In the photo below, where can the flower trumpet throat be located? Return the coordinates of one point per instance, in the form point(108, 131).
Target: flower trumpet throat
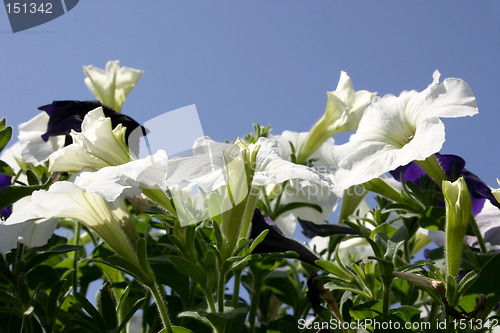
point(458, 212)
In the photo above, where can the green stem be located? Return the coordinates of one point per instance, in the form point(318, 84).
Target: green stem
point(451, 290)
point(75, 255)
point(251, 204)
point(254, 304)
point(386, 302)
point(157, 293)
point(220, 291)
point(236, 292)
point(210, 300)
point(406, 250)
point(477, 232)
point(258, 278)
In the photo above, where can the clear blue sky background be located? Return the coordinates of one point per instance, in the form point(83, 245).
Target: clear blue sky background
point(261, 61)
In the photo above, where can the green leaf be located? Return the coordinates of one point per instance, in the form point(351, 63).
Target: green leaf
point(366, 310)
point(11, 194)
point(32, 178)
point(218, 235)
point(231, 320)
point(174, 239)
point(241, 245)
point(57, 289)
point(142, 254)
point(385, 228)
point(8, 298)
point(41, 257)
point(258, 240)
point(210, 260)
point(6, 169)
point(466, 282)
point(485, 284)
point(197, 317)
point(433, 218)
point(5, 135)
point(107, 307)
point(294, 205)
point(407, 313)
point(43, 276)
point(22, 290)
point(190, 269)
point(365, 232)
point(5, 270)
point(167, 274)
point(91, 310)
point(178, 329)
point(131, 313)
point(125, 266)
point(335, 270)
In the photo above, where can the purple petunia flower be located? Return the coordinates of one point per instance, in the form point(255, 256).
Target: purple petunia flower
point(276, 242)
point(68, 115)
point(453, 167)
point(5, 181)
point(311, 230)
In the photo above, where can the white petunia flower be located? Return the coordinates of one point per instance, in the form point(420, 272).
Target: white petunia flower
point(214, 165)
point(98, 145)
point(128, 179)
point(344, 109)
point(289, 144)
point(34, 223)
point(31, 148)
point(112, 85)
point(397, 130)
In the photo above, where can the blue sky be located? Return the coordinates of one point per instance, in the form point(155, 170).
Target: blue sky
point(270, 62)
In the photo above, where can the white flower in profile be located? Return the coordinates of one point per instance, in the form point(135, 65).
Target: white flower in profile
point(98, 145)
point(34, 223)
point(111, 85)
point(31, 148)
point(397, 130)
point(215, 165)
point(344, 109)
point(289, 144)
point(127, 180)
point(271, 168)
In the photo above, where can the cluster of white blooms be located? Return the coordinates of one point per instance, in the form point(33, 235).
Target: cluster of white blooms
point(303, 169)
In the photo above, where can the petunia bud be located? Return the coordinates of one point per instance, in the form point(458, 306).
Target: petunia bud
point(458, 212)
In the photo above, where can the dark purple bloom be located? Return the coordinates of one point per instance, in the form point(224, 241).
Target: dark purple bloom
point(68, 115)
point(310, 229)
point(313, 291)
point(276, 242)
point(5, 181)
point(453, 167)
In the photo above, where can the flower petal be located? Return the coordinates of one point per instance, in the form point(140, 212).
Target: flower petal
point(112, 85)
point(33, 148)
point(397, 130)
point(128, 179)
point(68, 115)
point(98, 145)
